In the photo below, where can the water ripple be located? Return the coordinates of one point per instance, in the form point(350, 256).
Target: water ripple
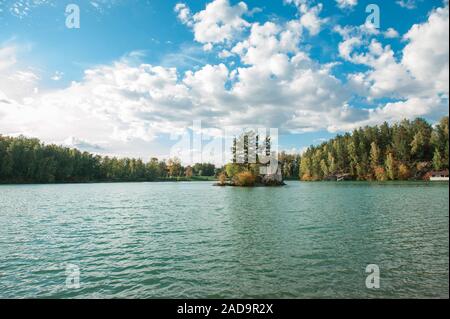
point(177, 240)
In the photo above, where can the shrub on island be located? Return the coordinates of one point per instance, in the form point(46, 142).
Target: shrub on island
point(245, 178)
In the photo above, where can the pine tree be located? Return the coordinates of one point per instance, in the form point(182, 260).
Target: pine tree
point(374, 155)
point(437, 160)
point(390, 166)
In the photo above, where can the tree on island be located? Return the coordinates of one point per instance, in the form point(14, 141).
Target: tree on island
point(249, 159)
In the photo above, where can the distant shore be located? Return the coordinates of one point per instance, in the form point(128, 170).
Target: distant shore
point(217, 184)
point(173, 180)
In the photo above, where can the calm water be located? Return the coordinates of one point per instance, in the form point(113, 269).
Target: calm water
point(148, 240)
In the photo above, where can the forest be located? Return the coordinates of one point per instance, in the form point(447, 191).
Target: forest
point(27, 160)
point(405, 150)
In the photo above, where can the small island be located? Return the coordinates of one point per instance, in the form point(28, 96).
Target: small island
point(250, 177)
point(254, 164)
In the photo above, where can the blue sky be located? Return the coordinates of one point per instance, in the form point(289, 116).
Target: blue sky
point(330, 73)
point(120, 27)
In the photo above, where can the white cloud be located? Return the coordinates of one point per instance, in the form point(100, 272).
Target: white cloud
point(310, 18)
point(387, 78)
point(411, 108)
point(4, 100)
point(24, 76)
point(121, 102)
point(392, 112)
point(346, 4)
point(424, 57)
point(23, 8)
point(420, 77)
point(407, 4)
point(15, 81)
point(225, 54)
point(57, 76)
point(184, 14)
point(208, 47)
point(83, 145)
point(294, 150)
point(7, 57)
point(427, 54)
point(123, 106)
point(391, 33)
point(219, 22)
point(346, 47)
point(309, 15)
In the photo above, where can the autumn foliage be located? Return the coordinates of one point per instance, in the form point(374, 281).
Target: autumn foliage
point(245, 178)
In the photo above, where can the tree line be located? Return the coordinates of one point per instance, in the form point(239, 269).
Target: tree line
point(27, 160)
point(405, 150)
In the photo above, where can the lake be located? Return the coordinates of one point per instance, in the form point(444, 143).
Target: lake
point(190, 239)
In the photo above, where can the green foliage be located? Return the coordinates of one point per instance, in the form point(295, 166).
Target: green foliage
point(390, 166)
point(233, 169)
point(379, 152)
point(437, 160)
point(290, 165)
point(374, 154)
point(25, 160)
point(204, 169)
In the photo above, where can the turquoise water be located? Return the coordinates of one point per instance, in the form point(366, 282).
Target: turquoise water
point(152, 240)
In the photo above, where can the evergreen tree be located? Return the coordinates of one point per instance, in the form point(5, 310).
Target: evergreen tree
point(390, 166)
point(437, 160)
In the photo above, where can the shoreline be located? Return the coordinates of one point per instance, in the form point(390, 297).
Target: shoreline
point(217, 184)
point(109, 182)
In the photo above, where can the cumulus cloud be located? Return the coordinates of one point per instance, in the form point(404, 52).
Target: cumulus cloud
point(346, 4)
point(310, 18)
point(427, 54)
point(16, 81)
point(309, 15)
point(274, 83)
point(391, 33)
point(420, 77)
point(424, 57)
point(57, 76)
point(407, 4)
point(122, 102)
point(219, 22)
point(184, 14)
point(82, 145)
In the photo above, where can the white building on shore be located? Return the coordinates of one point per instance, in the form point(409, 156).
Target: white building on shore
point(439, 176)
